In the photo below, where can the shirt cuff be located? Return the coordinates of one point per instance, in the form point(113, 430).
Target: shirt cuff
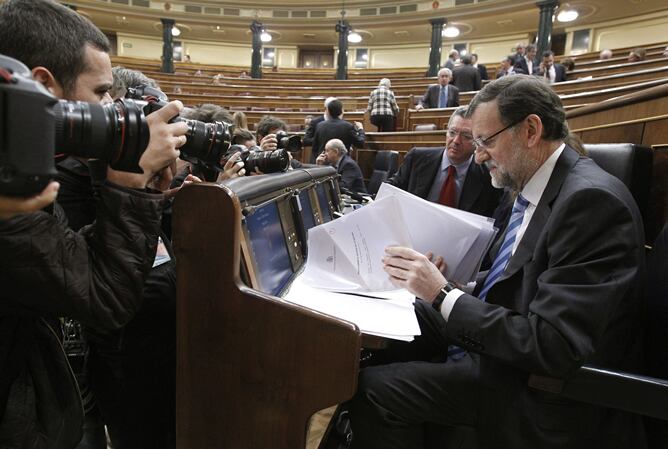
point(449, 302)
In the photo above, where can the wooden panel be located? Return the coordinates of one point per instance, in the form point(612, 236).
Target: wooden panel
point(656, 132)
point(251, 369)
point(622, 133)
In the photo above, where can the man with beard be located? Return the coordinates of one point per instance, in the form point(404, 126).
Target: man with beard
point(448, 175)
point(564, 290)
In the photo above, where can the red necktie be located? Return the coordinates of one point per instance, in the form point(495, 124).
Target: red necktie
point(448, 196)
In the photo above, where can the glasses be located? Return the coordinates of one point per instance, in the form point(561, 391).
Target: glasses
point(466, 136)
point(483, 143)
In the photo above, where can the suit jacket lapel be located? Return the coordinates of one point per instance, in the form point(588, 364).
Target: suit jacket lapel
point(430, 165)
point(527, 245)
point(471, 188)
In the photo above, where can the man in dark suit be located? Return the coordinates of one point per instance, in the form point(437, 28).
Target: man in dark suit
point(527, 63)
point(336, 155)
point(424, 171)
point(554, 73)
point(309, 133)
point(441, 95)
point(506, 68)
point(481, 67)
point(466, 77)
point(564, 290)
point(334, 127)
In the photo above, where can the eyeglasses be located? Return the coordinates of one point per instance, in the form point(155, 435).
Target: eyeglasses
point(483, 143)
point(452, 133)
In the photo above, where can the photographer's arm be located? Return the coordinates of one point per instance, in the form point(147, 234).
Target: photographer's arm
point(11, 206)
point(96, 275)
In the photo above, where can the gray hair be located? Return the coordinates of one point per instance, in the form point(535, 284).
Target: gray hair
point(459, 112)
point(521, 95)
point(124, 78)
point(337, 144)
point(385, 82)
point(445, 70)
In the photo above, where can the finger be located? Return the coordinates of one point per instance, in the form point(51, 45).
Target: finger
point(177, 128)
point(242, 172)
point(396, 272)
point(168, 111)
point(397, 262)
point(402, 251)
point(180, 141)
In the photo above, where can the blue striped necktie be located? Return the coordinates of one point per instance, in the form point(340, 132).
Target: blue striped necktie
point(443, 97)
point(500, 262)
point(506, 250)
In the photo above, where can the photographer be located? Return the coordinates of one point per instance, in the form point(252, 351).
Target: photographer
point(95, 276)
point(265, 133)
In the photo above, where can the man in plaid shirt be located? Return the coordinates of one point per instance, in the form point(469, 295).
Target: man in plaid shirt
point(383, 107)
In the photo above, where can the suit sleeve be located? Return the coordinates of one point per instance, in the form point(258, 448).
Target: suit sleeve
point(477, 83)
point(309, 134)
point(350, 173)
point(455, 96)
point(426, 100)
point(592, 266)
point(96, 275)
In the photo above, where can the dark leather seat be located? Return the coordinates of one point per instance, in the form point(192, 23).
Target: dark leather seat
point(630, 163)
point(384, 166)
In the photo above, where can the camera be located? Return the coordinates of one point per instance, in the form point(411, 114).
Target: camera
point(35, 125)
point(285, 142)
point(271, 161)
point(206, 143)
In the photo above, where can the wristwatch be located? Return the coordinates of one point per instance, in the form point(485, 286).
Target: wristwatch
point(441, 296)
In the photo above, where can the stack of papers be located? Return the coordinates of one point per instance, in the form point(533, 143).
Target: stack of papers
point(344, 276)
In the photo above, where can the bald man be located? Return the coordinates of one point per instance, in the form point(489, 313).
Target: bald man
point(336, 155)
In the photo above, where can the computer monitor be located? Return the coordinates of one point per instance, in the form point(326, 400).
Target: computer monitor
point(273, 268)
point(323, 200)
point(306, 209)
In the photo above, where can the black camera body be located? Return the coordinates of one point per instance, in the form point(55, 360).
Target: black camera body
point(286, 142)
point(35, 125)
point(271, 161)
point(207, 143)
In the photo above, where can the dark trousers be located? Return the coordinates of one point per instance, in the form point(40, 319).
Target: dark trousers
point(385, 123)
point(396, 404)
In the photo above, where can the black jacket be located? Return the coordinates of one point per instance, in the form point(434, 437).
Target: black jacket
point(351, 175)
point(47, 270)
point(335, 128)
point(418, 171)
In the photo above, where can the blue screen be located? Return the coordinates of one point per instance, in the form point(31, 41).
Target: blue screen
point(307, 210)
point(270, 252)
point(324, 203)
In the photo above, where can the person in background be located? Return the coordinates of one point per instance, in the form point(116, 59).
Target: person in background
point(481, 67)
point(382, 107)
point(453, 56)
point(336, 155)
point(441, 95)
point(605, 54)
point(569, 63)
point(239, 120)
point(637, 55)
point(127, 77)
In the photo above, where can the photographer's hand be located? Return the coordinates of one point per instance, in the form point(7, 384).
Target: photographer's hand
point(11, 206)
point(234, 167)
point(161, 150)
point(269, 142)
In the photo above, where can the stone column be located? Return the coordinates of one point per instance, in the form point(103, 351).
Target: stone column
point(343, 28)
point(167, 46)
point(544, 39)
point(256, 61)
point(436, 46)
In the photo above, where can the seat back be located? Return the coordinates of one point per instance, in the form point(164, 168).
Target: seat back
point(630, 163)
point(384, 166)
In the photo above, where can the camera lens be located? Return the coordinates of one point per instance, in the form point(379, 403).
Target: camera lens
point(206, 142)
point(266, 161)
point(291, 143)
point(115, 132)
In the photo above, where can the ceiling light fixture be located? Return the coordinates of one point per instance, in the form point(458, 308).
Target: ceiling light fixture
point(567, 15)
point(354, 37)
point(175, 31)
point(450, 31)
point(265, 37)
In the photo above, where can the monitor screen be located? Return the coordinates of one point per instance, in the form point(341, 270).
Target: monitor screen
point(307, 210)
point(269, 249)
point(324, 203)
